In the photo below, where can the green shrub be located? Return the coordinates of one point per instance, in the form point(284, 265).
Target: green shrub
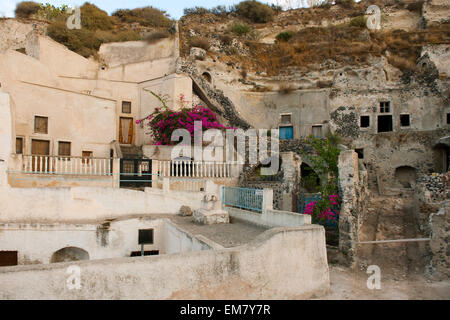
point(52, 13)
point(195, 10)
point(82, 41)
point(359, 22)
point(146, 16)
point(345, 3)
point(284, 36)
point(93, 18)
point(156, 36)
point(25, 9)
point(255, 11)
point(86, 42)
point(240, 28)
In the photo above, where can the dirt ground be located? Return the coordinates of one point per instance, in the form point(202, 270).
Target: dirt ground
point(347, 284)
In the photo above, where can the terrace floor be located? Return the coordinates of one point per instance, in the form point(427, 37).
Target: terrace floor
point(228, 235)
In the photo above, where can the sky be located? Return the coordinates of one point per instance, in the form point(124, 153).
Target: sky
point(173, 7)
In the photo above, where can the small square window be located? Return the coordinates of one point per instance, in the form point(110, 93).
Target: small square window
point(126, 107)
point(64, 149)
point(146, 236)
point(385, 107)
point(317, 131)
point(286, 119)
point(405, 120)
point(19, 145)
point(40, 124)
point(365, 121)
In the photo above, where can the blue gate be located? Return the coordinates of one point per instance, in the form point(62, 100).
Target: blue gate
point(243, 198)
point(303, 200)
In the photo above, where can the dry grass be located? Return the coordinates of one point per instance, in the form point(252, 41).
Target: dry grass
point(258, 88)
point(309, 48)
point(200, 42)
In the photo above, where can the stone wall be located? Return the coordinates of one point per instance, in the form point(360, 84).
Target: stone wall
point(439, 264)
point(432, 211)
point(354, 191)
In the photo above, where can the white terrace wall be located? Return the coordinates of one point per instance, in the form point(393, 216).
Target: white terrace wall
point(89, 203)
point(36, 243)
point(280, 264)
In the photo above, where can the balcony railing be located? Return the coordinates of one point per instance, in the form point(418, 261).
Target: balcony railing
point(67, 165)
point(194, 169)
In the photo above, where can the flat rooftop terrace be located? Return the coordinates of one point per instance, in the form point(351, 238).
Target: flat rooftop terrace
point(228, 235)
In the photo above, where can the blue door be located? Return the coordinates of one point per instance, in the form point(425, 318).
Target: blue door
point(287, 133)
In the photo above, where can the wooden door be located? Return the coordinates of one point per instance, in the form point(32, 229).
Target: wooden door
point(126, 130)
point(40, 148)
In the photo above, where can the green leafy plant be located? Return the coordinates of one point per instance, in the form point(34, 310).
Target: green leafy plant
point(324, 162)
point(359, 22)
point(146, 16)
point(240, 28)
point(284, 36)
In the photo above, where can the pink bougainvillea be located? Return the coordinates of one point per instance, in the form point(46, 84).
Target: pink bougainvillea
point(162, 122)
point(329, 213)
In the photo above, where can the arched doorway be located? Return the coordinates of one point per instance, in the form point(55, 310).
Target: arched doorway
point(69, 254)
point(310, 179)
point(207, 76)
point(406, 176)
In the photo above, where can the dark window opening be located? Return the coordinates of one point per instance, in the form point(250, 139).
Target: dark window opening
point(207, 77)
point(385, 107)
point(405, 120)
point(19, 145)
point(146, 236)
point(360, 153)
point(8, 258)
point(385, 124)
point(126, 107)
point(146, 253)
point(448, 118)
point(365, 121)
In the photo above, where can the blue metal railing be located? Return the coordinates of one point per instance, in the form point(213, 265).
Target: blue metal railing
point(243, 198)
point(303, 200)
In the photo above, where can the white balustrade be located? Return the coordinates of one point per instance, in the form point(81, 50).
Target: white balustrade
point(67, 165)
point(194, 169)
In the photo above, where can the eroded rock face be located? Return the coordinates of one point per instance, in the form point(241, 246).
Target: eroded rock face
point(198, 53)
point(185, 211)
